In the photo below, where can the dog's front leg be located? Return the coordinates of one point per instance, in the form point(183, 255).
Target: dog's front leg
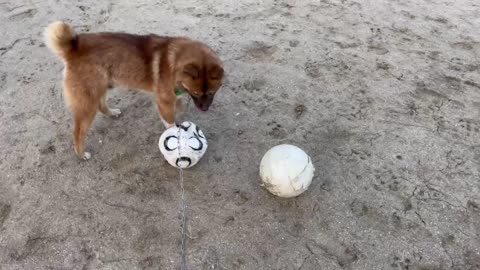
point(166, 107)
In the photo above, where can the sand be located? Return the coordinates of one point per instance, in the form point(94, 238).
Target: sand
point(383, 95)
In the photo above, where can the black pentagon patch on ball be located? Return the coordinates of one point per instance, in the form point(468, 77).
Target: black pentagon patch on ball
point(165, 143)
point(198, 133)
point(183, 159)
point(200, 143)
point(184, 127)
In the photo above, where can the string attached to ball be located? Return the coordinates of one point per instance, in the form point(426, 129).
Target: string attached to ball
point(183, 261)
point(183, 146)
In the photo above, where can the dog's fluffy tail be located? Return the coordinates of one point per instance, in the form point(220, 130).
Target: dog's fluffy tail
point(59, 37)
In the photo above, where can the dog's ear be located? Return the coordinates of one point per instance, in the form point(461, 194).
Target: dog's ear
point(215, 72)
point(191, 70)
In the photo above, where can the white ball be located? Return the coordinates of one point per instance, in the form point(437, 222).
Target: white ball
point(184, 145)
point(286, 171)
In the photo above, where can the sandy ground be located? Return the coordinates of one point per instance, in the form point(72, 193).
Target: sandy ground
point(384, 96)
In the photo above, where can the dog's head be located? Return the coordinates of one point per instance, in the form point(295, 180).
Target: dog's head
point(201, 77)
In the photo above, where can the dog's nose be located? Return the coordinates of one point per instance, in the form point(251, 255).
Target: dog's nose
point(204, 103)
point(204, 107)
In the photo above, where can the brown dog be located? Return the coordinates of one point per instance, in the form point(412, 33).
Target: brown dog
point(97, 62)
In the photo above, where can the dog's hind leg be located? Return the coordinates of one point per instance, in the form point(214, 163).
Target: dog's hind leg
point(81, 123)
point(103, 107)
point(83, 100)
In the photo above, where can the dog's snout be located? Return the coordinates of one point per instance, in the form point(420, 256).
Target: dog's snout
point(203, 102)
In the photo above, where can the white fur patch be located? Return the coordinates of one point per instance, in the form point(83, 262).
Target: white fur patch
point(171, 56)
point(166, 124)
point(87, 156)
point(156, 67)
point(115, 112)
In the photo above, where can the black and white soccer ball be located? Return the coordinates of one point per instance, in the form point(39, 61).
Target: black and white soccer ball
point(183, 145)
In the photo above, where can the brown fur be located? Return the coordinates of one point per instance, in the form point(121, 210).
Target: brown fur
point(98, 61)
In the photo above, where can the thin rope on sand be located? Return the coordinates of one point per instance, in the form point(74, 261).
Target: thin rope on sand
point(183, 261)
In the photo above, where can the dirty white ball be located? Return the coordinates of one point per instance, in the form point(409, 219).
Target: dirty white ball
point(286, 171)
point(183, 145)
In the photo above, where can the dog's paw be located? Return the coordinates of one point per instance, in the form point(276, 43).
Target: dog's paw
point(168, 125)
point(87, 156)
point(115, 112)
